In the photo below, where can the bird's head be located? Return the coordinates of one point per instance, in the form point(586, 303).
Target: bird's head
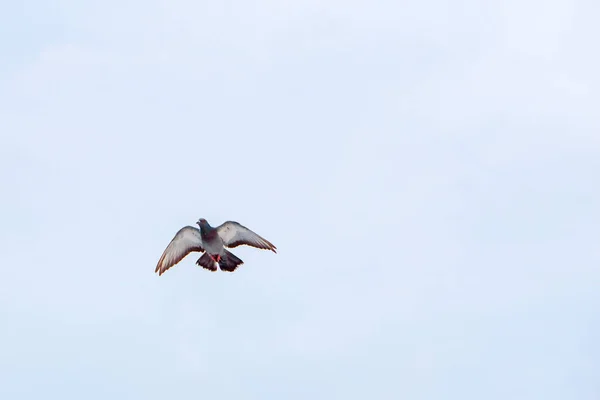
point(202, 222)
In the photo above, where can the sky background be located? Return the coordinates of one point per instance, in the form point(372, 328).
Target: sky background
point(429, 171)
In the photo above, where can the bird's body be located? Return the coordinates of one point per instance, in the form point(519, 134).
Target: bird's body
point(213, 243)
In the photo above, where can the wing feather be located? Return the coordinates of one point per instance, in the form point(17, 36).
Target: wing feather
point(186, 240)
point(234, 234)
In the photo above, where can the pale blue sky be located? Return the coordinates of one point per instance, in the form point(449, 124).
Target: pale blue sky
point(428, 171)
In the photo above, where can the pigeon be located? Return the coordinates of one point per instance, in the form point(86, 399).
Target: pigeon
point(212, 242)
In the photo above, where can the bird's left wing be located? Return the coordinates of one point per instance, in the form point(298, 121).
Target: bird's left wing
point(188, 239)
point(234, 234)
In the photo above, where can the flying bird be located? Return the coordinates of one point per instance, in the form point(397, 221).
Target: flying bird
point(212, 242)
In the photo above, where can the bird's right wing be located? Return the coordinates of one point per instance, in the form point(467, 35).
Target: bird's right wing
point(234, 234)
point(188, 239)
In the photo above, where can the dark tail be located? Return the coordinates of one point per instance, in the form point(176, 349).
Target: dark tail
point(229, 262)
point(207, 262)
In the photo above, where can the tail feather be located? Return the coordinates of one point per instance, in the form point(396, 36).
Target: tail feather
point(207, 262)
point(229, 262)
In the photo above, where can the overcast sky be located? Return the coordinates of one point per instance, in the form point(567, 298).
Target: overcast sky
point(429, 171)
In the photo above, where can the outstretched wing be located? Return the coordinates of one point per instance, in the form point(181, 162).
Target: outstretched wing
point(234, 234)
point(188, 239)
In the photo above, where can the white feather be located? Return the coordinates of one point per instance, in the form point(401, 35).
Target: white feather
point(186, 240)
point(234, 234)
